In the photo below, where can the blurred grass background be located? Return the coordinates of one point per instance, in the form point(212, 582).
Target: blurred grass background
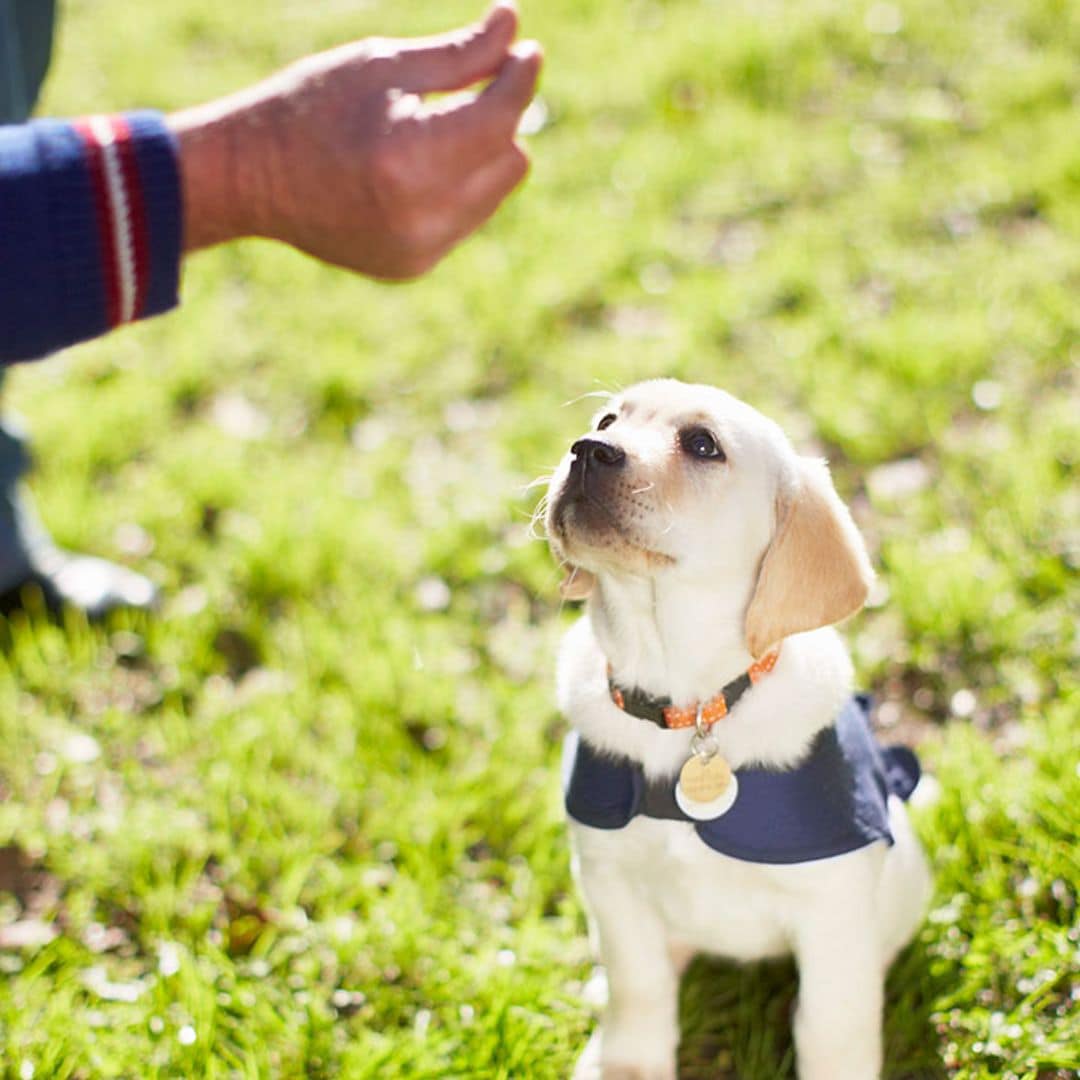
point(306, 821)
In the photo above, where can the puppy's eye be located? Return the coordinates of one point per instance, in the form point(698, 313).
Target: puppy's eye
point(699, 443)
point(606, 421)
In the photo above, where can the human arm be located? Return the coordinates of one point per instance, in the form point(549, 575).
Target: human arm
point(336, 155)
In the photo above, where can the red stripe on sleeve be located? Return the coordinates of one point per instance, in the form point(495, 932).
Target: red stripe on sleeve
point(96, 168)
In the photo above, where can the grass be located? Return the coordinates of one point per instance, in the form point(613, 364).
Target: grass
point(306, 821)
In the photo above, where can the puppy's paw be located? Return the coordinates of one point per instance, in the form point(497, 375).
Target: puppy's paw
point(637, 1072)
point(590, 1066)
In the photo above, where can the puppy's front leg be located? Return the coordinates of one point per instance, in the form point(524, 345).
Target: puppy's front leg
point(640, 1029)
point(841, 986)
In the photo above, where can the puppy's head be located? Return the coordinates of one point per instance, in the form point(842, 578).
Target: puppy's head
point(687, 481)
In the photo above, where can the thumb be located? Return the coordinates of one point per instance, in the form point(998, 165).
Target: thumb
point(459, 58)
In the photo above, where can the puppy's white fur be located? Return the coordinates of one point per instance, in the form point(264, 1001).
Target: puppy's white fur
point(696, 566)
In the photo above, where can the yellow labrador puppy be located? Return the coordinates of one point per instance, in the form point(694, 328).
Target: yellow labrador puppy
point(724, 792)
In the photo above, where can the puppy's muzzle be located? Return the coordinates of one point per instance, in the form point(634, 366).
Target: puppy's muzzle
point(594, 466)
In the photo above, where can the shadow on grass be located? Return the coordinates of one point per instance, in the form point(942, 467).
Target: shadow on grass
point(736, 1021)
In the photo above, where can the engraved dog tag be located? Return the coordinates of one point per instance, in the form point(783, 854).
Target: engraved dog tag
point(707, 787)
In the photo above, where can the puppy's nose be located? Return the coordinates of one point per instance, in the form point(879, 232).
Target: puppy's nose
point(589, 451)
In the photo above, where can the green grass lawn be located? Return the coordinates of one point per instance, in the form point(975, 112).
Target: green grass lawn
point(305, 823)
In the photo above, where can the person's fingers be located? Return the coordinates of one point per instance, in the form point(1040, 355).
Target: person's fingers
point(473, 125)
point(485, 189)
point(460, 58)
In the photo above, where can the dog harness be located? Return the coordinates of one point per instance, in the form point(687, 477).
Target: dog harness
point(834, 801)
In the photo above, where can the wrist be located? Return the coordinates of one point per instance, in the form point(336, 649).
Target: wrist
point(220, 197)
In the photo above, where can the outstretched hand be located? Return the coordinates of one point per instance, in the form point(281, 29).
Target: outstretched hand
point(340, 155)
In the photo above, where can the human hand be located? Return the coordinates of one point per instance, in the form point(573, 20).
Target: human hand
point(339, 155)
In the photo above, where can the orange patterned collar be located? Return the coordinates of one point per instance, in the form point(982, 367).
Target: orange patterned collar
point(704, 714)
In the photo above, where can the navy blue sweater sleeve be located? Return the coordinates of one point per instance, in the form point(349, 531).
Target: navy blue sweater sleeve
point(90, 229)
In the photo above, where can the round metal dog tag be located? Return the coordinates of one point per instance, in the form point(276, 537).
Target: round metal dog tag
point(707, 788)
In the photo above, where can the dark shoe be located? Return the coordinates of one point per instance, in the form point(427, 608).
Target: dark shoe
point(63, 579)
point(34, 567)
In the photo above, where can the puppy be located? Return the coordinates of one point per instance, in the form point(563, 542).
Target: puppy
point(724, 792)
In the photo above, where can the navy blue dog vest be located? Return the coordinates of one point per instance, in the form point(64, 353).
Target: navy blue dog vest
point(834, 801)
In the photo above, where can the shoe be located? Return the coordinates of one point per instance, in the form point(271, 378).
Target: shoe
point(91, 585)
point(62, 579)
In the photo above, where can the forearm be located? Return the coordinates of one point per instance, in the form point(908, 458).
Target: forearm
point(338, 155)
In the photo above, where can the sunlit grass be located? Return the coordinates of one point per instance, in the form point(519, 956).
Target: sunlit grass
point(305, 822)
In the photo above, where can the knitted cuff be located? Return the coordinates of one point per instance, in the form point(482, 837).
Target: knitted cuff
point(90, 228)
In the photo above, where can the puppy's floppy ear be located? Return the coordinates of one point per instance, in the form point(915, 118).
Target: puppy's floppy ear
point(577, 584)
point(815, 571)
